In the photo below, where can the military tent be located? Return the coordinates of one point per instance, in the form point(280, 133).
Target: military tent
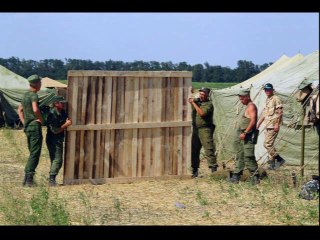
point(287, 75)
point(12, 88)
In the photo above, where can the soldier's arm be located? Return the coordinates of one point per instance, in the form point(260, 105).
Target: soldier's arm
point(252, 113)
point(279, 112)
point(20, 113)
point(37, 112)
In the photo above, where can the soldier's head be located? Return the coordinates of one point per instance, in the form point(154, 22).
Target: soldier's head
point(204, 93)
point(35, 81)
point(244, 96)
point(58, 102)
point(268, 89)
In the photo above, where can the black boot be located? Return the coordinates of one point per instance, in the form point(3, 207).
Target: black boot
point(28, 180)
point(52, 181)
point(195, 172)
point(272, 165)
point(255, 178)
point(214, 168)
point(24, 180)
point(279, 162)
point(235, 178)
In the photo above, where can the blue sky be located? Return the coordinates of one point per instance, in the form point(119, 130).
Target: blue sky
point(216, 38)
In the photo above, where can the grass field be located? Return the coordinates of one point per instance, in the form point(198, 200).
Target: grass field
point(206, 200)
point(198, 85)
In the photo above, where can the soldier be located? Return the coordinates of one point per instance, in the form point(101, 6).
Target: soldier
point(245, 142)
point(30, 116)
point(202, 134)
point(57, 122)
point(272, 115)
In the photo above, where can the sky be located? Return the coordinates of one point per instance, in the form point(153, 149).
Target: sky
point(217, 38)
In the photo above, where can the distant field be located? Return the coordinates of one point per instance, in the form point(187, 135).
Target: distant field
point(195, 85)
point(198, 85)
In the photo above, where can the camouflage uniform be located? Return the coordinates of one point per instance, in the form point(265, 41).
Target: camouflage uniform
point(245, 148)
point(271, 112)
point(202, 135)
point(33, 132)
point(55, 140)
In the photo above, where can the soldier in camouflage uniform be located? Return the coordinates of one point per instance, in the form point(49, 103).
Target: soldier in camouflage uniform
point(202, 134)
point(57, 122)
point(272, 115)
point(30, 116)
point(244, 143)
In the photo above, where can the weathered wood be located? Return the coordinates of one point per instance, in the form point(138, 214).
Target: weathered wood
point(128, 125)
point(144, 74)
point(123, 179)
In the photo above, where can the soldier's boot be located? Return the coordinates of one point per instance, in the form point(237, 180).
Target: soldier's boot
point(279, 162)
point(24, 180)
point(52, 181)
point(213, 168)
point(254, 178)
point(272, 165)
point(195, 172)
point(235, 178)
point(28, 180)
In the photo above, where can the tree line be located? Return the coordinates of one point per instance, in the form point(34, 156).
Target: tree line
point(58, 69)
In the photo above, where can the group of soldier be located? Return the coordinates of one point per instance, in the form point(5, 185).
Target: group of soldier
point(247, 131)
point(31, 118)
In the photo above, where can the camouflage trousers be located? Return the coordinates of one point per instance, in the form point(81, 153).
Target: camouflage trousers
point(55, 147)
point(245, 155)
point(202, 137)
point(34, 138)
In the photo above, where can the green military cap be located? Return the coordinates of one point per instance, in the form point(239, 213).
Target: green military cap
point(244, 92)
point(34, 78)
point(58, 99)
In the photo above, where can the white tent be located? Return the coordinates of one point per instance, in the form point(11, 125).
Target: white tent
point(286, 75)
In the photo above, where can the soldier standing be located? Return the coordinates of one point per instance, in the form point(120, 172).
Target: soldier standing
point(272, 115)
point(30, 116)
point(202, 134)
point(57, 122)
point(245, 142)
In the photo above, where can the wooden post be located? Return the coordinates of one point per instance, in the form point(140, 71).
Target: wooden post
point(303, 134)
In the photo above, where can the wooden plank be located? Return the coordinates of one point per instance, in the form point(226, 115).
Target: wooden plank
point(130, 125)
point(97, 156)
point(72, 147)
point(83, 121)
point(124, 180)
point(157, 158)
point(92, 117)
point(145, 74)
point(107, 120)
point(179, 129)
point(135, 116)
point(128, 108)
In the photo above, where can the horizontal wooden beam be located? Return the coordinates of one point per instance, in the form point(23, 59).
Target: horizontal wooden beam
point(122, 179)
point(112, 126)
point(101, 73)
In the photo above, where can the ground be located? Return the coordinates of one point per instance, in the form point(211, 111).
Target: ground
point(207, 200)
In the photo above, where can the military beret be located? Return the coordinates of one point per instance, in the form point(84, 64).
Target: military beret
point(268, 86)
point(244, 92)
point(34, 78)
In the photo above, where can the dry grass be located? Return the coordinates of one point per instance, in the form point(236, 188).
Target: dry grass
point(208, 200)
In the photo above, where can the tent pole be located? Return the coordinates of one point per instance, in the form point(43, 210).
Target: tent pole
point(303, 134)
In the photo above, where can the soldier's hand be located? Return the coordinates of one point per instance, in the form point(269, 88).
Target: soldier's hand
point(276, 128)
point(191, 100)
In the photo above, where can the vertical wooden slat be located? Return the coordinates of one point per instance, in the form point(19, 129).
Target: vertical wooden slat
point(140, 131)
point(91, 133)
point(96, 168)
point(179, 129)
point(188, 130)
point(107, 119)
point(72, 147)
point(135, 110)
point(83, 121)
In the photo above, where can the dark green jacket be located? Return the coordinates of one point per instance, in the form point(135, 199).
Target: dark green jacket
point(206, 120)
point(54, 121)
point(26, 102)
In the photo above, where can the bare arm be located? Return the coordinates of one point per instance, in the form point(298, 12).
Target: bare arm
point(20, 113)
point(37, 112)
point(260, 120)
point(64, 126)
point(196, 107)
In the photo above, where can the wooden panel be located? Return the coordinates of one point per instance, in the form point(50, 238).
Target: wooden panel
point(127, 125)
